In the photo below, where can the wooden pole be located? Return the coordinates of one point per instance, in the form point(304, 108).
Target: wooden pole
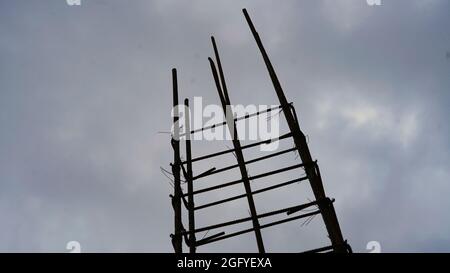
point(225, 100)
point(177, 240)
point(191, 212)
point(328, 213)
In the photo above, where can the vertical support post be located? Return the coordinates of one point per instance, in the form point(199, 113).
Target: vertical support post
point(328, 213)
point(191, 206)
point(177, 240)
point(225, 100)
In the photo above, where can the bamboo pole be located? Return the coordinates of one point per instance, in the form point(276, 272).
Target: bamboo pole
point(328, 213)
point(177, 240)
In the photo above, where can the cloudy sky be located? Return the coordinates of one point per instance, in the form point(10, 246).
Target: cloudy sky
point(86, 90)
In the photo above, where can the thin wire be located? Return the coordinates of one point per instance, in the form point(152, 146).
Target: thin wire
point(273, 115)
point(308, 220)
point(165, 172)
point(206, 233)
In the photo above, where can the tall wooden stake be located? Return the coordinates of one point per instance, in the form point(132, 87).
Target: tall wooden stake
point(191, 206)
point(225, 100)
point(328, 213)
point(177, 240)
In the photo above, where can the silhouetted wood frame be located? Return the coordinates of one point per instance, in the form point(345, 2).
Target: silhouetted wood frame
point(324, 204)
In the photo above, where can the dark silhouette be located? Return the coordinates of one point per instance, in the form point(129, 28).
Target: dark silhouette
point(324, 204)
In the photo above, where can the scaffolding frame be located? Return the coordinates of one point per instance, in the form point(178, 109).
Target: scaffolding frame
point(323, 203)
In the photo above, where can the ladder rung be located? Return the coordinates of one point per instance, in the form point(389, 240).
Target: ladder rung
point(263, 215)
point(247, 116)
point(254, 192)
point(250, 178)
point(261, 227)
point(267, 141)
point(215, 171)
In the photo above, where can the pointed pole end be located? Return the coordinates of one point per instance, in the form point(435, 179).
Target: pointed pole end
point(244, 10)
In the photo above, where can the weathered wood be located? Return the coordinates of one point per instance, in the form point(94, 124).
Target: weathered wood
point(328, 213)
point(267, 141)
point(254, 192)
point(189, 180)
point(247, 116)
point(177, 240)
point(254, 177)
point(223, 94)
point(262, 215)
point(216, 171)
point(261, 227)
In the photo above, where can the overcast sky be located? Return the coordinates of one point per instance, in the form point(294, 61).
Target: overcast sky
point(84, 91)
